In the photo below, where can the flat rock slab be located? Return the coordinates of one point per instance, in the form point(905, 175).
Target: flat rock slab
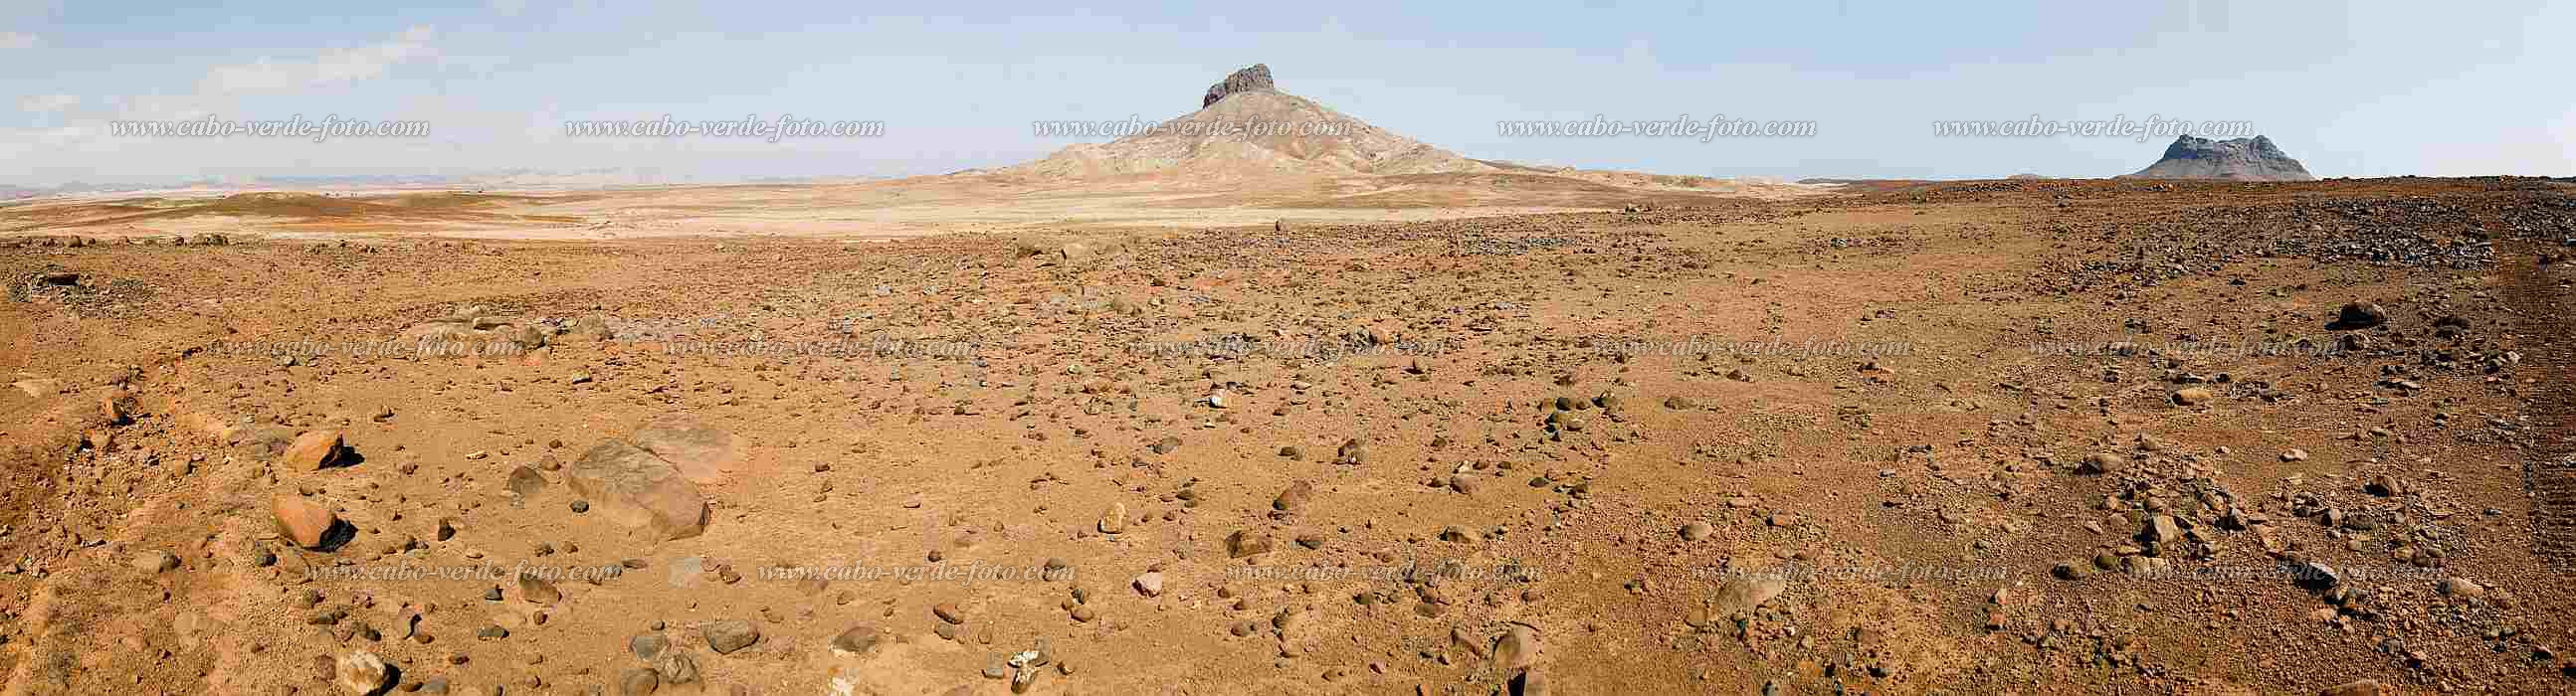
point(701, 452)
point(640, 491)
point(1743, 594)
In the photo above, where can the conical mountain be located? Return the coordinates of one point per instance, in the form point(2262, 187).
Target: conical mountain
point(1247, 128)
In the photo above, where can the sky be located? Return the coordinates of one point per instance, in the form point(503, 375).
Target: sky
point(2351, 89)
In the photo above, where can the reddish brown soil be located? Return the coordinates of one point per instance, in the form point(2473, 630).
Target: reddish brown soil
point(1022, 403)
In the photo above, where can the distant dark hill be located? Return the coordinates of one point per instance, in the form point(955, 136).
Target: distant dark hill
point(2242, 159)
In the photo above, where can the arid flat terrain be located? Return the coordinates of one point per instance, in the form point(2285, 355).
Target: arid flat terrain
point(1430, 434)
point(972, 202)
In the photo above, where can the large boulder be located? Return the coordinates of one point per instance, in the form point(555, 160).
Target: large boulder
point(634, 488)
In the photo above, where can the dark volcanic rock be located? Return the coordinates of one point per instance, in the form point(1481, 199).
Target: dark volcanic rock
point(2242, 159)
point(2358, 315)
point(1245, 80)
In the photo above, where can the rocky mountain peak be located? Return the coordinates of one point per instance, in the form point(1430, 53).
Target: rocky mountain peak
point(1245, 80)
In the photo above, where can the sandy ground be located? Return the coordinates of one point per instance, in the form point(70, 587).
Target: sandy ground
point(1982, 437)
point(872, 210)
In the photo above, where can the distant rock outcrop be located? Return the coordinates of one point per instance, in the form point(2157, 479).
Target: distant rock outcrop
point(2242, 159)
point(1245, 80)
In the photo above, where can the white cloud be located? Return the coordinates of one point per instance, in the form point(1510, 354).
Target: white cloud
point(84, 148)
point(49, 103)
point(16, 39)
point(333, 67)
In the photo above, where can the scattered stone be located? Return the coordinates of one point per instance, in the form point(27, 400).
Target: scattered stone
point(1150, 584)
point(676, 667)
point(1294, 498)
point(1245, 542)
point(1476, 647)
point(538, 590)
point(2162, 529)
point(857, 640)
point(313, 451)
point(2359, 315)
point(308, 523)
point(2099, 463)
point(639, 681)
point(1742, 594)
point(647, 645)
point(1114, 521)
point(725, 637)
point(1516, 649)
point(1352, 452)
point(1697, 530)
point(525, 482)
point(362, 672)
point(1532, 683)
point(113, 407)
point(155, 562)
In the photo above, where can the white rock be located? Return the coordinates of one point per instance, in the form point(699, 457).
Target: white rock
point(362, 672)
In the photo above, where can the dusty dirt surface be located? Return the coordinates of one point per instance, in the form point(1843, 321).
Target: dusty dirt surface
point(2025, 437)
point(978, 202)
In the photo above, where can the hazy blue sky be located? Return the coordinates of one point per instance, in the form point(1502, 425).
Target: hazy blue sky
point(2367, 89)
